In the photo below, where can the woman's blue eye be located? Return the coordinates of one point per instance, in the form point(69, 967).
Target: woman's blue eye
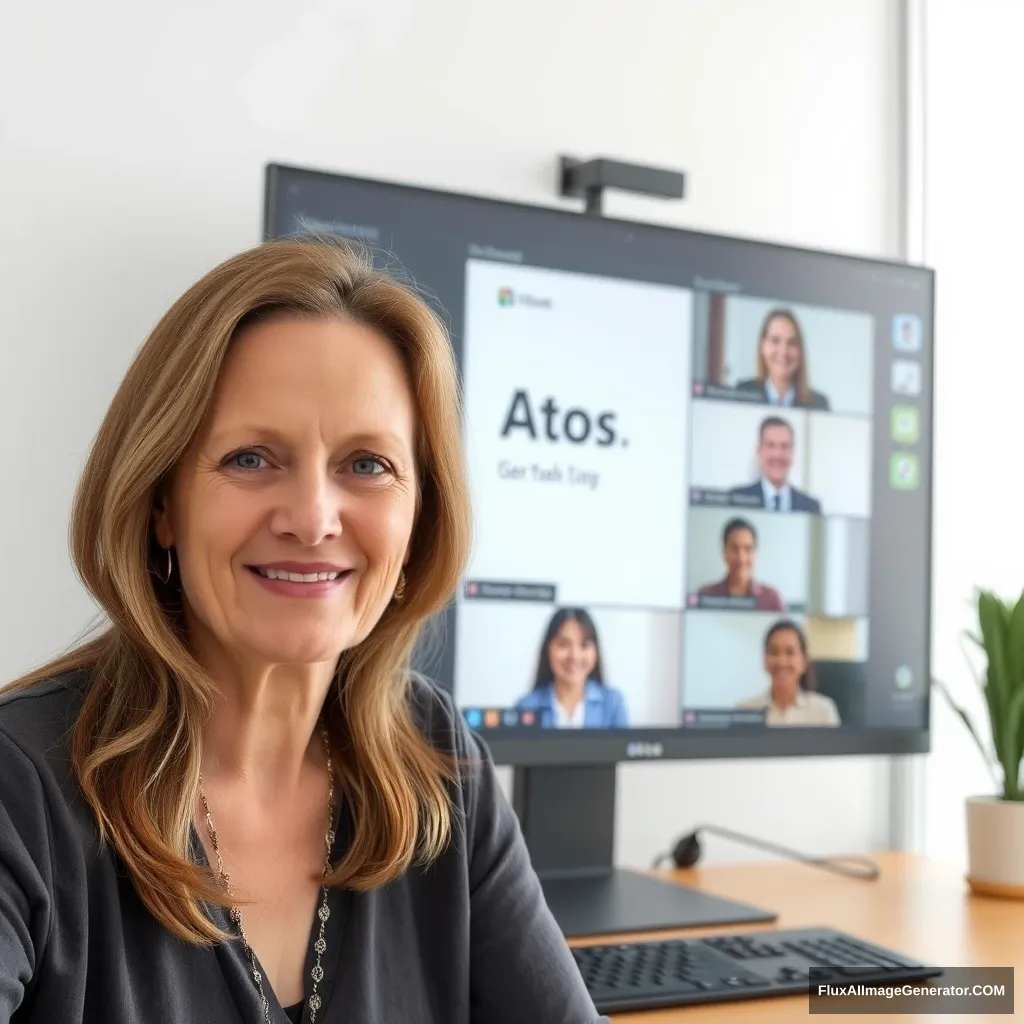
point(248, 460)
point(367, 466)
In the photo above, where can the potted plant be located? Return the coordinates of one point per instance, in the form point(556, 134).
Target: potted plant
point(995, 822)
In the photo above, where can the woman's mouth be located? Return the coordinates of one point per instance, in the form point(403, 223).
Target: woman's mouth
point(296, 577)
point(300, 581)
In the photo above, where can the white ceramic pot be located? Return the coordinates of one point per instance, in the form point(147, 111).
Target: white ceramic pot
point(995, 846)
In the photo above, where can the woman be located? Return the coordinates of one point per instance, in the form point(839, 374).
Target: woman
point(791, 698)
point(569, 691)
point(782, 374)
point(274, 504)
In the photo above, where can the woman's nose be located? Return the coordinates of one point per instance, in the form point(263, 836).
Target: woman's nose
point(311, 510)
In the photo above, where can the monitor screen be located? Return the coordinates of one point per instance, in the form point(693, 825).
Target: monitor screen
point(701, 476)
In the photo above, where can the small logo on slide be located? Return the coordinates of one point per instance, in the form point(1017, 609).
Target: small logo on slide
point(505, 297)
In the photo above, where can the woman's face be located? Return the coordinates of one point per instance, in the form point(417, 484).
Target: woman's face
point(740, 554)
point(780, 347)
point(291, 517)
point(784, 661)
point(572, 653)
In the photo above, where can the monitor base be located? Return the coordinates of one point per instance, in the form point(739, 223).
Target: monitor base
point(620, 901)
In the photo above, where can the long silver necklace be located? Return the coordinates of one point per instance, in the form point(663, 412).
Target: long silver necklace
point(320, 946)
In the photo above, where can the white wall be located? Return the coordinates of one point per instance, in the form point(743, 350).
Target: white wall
point(974, 220)
point(132, 150)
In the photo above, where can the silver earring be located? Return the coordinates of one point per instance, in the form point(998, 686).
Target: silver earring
point(170, 568)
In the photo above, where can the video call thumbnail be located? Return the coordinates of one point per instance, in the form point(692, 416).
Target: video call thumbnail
point(572, 667)
point(797, 670)
point(746, 457)
point(758, 561)
point(566, 463)
point(781, 354)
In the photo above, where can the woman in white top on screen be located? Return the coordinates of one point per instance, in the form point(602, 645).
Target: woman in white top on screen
point(569, 691)
point(791, 699)
point(782, 374)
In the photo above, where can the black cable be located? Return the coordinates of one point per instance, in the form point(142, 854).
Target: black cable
point(686, 852)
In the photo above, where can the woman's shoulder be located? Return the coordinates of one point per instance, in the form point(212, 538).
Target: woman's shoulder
point(436, 715)
point(750, 384)
point(604, 691)
point(38, 719)
point(39, 788)
point(821, 699)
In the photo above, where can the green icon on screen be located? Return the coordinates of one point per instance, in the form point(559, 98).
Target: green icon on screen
point(903, 473)
point(906, 424)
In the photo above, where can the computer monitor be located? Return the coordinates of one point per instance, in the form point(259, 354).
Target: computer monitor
point(701, 473)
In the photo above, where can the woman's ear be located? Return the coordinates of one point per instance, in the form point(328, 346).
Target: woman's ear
point(162, 521)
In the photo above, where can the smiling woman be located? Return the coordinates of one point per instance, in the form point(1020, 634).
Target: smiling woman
point(783, 375)
point(274, 506)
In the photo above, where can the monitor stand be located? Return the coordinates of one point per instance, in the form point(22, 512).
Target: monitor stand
point(567, 814)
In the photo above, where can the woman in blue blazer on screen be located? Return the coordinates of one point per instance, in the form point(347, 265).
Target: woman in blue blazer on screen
point(569, 691)
point(782, 372)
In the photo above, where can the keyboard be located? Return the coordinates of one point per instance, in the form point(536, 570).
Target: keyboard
point(649, 975)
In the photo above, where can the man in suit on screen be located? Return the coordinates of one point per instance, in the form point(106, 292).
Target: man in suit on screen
point(775, 457)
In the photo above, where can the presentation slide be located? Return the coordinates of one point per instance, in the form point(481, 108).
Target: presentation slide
point(765, 557)
point(577, 434)
point(501, 656)
point(760, 348)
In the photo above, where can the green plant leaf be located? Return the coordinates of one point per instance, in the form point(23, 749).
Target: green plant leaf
point(990, 696)
point(1015, 644)
point(993, 618)
point(1013, 746)
point(996, 715)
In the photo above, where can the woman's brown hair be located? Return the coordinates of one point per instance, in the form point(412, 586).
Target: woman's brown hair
point(800, 378)
point(136, 741)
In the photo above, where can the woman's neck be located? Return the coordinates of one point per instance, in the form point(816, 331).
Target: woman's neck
point(781, 386)
point(264, 724)
point(785, 695)
point(739, 586)
point(569, 693)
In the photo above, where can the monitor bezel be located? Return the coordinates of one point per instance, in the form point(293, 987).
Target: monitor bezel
point(550, 748)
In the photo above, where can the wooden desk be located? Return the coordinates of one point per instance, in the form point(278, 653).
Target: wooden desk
point(918, 906)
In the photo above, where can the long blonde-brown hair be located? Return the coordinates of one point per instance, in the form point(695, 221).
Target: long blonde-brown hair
point(136, 741)
point(800, 379)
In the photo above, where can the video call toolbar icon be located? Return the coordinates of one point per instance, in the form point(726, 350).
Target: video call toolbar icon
point(903, 471)
point(906, 333)
point(906, 377)
point(905, 422)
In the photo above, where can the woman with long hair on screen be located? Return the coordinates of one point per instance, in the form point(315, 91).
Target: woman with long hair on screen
point(569, 691)
point(782, 370)
point(237, 802)
point(791, 699)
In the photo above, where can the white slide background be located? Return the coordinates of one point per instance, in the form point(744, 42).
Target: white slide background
point(600, 345)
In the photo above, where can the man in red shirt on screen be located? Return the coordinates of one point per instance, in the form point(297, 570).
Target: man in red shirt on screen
point(739, 550)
